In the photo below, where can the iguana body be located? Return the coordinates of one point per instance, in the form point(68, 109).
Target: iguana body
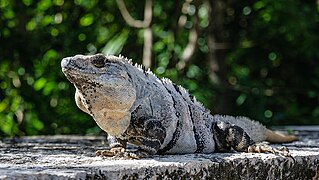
point(135, 106)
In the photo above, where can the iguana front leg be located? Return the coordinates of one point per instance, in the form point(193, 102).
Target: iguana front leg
point(118, 150)
point(229, 136)
point(117, 147)
point(148, 136)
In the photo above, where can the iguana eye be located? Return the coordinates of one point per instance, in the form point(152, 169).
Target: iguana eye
point(99, 61)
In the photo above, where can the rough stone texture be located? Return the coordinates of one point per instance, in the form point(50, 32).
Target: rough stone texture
point(72, 157)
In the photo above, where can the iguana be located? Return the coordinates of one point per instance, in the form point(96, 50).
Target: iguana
point(133, 105)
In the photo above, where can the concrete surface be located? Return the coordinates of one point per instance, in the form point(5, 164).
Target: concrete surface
point(73, 157)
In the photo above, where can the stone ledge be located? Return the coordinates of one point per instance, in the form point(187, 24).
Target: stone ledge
point(72, 157)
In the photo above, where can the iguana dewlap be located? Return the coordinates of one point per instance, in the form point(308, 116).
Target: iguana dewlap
point(133, 105)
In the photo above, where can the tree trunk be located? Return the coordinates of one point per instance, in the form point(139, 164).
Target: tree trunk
point(218, 46)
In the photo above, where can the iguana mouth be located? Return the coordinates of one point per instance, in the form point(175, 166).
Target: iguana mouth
point(79, 80)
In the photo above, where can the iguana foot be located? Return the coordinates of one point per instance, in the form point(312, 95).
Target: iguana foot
point(110, 152)
point(136, 155)
point(265, 147)
point(120, 152)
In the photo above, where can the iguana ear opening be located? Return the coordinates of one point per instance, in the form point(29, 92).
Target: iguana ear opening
point(79, 102)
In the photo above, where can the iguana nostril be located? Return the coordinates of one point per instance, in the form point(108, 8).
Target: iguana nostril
point(64, 62)
point(99, 61)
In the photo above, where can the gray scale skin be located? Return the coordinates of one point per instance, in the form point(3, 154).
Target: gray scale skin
point(133, 105)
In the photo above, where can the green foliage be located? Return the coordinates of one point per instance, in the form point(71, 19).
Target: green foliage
point(272, 64)
point(35, 36)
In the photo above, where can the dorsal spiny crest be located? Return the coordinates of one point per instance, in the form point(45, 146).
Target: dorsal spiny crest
point(149, 71)
point(166, 80)
point(127, 59)
point(139, 67)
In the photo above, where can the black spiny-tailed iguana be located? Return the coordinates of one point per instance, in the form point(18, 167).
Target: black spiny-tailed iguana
point(133, 105)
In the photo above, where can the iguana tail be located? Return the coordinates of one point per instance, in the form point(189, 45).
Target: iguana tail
point(277, 137)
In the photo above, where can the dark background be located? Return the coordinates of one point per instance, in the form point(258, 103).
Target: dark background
point(252, 58)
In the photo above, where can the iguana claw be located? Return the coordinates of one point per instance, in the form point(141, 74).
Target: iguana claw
point(120, 152)
point(265, 147)
point(110, 152)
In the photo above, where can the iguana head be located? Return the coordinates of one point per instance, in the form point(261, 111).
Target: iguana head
point(104, 89)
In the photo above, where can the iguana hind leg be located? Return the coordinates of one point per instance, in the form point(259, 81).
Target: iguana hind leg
point(228, 136)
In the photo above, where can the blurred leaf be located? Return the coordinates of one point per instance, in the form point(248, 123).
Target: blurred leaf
point(39, 84)
point(87, 20)
point(115, 45)
point(241, 99)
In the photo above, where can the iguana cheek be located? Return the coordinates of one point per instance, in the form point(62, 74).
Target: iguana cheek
point(113, 122)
